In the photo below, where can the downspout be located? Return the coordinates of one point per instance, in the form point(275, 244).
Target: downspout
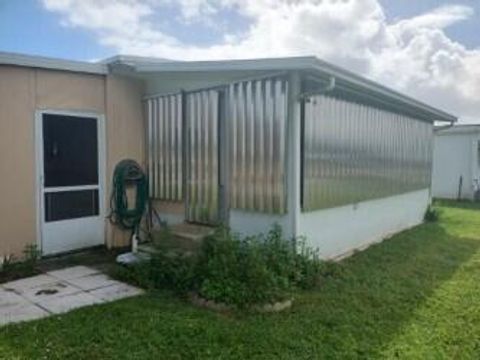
point(329, 87)
point(446, 127)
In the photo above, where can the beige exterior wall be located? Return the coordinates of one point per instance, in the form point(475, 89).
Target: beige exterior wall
point(125, 138)
point(17, 150)
point(70, 91)
point(23, 91)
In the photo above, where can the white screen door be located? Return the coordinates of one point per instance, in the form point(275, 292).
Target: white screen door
point(71, 197)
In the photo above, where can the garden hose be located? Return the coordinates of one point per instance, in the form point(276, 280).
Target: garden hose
point(127, 174)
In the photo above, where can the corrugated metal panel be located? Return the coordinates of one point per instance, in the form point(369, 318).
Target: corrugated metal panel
point(353, 153)
point(202, 121)
point(164, 134)
point(257, 126)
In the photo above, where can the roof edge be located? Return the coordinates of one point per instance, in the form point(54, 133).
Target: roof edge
point(281, 63)
point(457, 129)
point(42, 62)
point(133, 60)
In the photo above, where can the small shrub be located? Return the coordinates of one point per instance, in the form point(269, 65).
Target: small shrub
point(173, 270)
point(308, 266)
point(241, 272)
point(12, 268)
point(7, 263)
point(31, 254)
point(431, 214)
point(138, 275)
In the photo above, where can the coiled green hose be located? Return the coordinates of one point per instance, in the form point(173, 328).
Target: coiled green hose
point(128, 173)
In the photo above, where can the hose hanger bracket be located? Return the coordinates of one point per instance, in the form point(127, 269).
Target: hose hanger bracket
point(127, 174)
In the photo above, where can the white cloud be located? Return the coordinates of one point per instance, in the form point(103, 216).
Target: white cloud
point(440, 17)
point(413, 55)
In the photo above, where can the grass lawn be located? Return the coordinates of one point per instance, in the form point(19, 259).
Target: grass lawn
point(416, 296)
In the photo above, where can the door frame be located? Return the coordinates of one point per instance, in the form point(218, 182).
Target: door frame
point(39, 176)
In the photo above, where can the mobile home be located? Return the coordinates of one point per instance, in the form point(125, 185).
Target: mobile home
point(298, 142)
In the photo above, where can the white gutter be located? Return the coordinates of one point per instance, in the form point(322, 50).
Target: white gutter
point(457, 129)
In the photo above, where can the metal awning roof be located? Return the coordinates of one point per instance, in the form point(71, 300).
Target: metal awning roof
point(307, 63)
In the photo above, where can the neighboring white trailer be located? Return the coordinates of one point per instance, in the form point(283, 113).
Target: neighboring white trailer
point(456, 162)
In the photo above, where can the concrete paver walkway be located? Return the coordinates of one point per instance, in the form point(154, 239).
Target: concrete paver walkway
point(57, 292)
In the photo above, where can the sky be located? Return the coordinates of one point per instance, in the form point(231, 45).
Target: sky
point(428, 49)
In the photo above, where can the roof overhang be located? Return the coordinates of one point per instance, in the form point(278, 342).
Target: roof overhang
point(310, 64)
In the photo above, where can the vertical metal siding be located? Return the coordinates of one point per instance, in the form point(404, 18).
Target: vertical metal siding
point(164, 134)
point(354, 152)
point(257, 122)
point(202, 120)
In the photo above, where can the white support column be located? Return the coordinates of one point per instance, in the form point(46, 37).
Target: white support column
point(293, 153)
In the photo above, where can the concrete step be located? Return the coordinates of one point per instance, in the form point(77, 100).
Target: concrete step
point(185, 238)
point(193, 232)
point(146, 251)
point(147, 248)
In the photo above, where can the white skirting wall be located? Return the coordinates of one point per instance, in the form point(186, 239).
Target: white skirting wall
point(253, 223)
point(338, 231)
point(335, 232)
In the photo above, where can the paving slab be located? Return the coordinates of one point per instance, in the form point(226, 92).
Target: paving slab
point(62, 304)
point(19, 313)
point(93, 282)
point(49, 291)
point(116, 292)
point(73, 272)
point(22, 284)
point(14, 307)
point(9, 298)
point(58, 292)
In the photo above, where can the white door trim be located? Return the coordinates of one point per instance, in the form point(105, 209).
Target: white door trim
point(39, 176)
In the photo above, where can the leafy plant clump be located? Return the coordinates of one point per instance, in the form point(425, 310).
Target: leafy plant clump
point(431, 214)
point(12, 268)
point(239, 272)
